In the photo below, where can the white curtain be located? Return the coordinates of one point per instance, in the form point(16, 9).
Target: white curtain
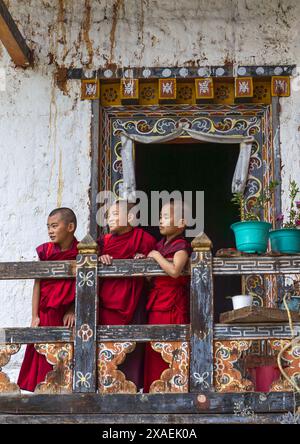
point(241, 170)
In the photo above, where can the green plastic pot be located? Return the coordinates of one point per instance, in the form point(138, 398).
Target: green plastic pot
point(285, 240)
point(251, 236)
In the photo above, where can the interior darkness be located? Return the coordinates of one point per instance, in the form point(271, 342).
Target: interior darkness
point(196, 166)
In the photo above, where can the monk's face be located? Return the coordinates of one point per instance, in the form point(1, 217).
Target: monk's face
point(117, 219)
point(58, 229)
point(167, 224)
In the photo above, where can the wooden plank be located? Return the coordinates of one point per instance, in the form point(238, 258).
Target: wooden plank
point(38, 335)
point(94, 182)
point(67, 269)
point(266, 70)
point(277, 156)
point(84, 375)
point(256, 265)
point(147, 267)
point(121, 268)
point(37, 270)
point(201, 317)
point(253, 331)
point(187, 403)
point(146, 333)
point(256, 315)
point(12, 39)
point(143, 333)
point(269, 418)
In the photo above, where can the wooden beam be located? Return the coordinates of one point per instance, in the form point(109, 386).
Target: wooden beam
point(183, 403)
point(233, 332)
point(40, 335)
point(267, 418)
point(38, 270)
point(94, 182)
point(201, 314)
point(12, 39)
point(143, 333)
point(121, 268)
point(146, 333)
point(85, 345)
point(246, 265)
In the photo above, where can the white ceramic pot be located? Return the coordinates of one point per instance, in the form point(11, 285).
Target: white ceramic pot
point(241, 300)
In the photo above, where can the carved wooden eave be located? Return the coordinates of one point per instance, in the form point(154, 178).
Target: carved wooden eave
point(12, 39)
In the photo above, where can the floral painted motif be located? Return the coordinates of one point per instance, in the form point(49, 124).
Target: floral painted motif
point(202, 380)
point(86, 279)
point(83, 380)
point(85, 333)
point(175, 378)
point(110, 379)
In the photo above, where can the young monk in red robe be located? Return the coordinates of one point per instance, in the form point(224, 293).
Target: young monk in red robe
point(53, 299)
point(168, 301)
point(122, 300)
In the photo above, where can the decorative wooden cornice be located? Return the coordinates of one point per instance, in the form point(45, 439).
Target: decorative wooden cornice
point(221, 71)
point(185, 91)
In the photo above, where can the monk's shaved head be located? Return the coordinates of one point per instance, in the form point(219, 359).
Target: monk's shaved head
point(66, 214)
point(124, 204)
point(179, 210)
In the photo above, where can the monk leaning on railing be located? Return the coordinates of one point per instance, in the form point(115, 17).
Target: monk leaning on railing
point(168, 301)
point(122, 301)
point(52, 300)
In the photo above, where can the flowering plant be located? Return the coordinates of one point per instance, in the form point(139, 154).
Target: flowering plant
point(255, 210)
point(294, 210)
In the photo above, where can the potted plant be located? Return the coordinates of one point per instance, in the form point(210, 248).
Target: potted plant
point(252, 234)
point(287, 238)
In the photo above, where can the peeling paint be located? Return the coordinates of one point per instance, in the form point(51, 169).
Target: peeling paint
point(61, 79)
point(115, 12)
point(52, 132)
point(86, 32)
point(60, 181)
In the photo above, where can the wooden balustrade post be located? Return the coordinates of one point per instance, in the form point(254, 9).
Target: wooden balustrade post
point(85, 364)
point(201, 355)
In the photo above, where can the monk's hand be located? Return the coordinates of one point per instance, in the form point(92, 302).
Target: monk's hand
point(139, 256)
point(35, 321)
point(105, 259)
point(69, 319)
point(154, 254)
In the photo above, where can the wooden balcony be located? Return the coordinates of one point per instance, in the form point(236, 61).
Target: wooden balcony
point(209, 387)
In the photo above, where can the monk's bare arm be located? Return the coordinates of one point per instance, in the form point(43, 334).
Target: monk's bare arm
point(174, 268)
point(35, 321)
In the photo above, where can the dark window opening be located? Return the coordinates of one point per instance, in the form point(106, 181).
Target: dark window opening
point(198, 166)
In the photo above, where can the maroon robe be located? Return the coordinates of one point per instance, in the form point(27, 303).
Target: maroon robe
point(122, 300)
point(56, 295)
point(168, 303)
point(119, 298)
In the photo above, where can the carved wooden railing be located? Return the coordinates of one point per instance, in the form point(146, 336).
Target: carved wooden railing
point(203, 375)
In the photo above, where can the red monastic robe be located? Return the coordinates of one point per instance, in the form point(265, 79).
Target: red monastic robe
point(119, 298)
point(56, 295)
point(122, 300)
point(168, 303)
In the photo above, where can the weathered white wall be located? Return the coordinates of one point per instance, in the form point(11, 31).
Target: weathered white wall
point(45, 130)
